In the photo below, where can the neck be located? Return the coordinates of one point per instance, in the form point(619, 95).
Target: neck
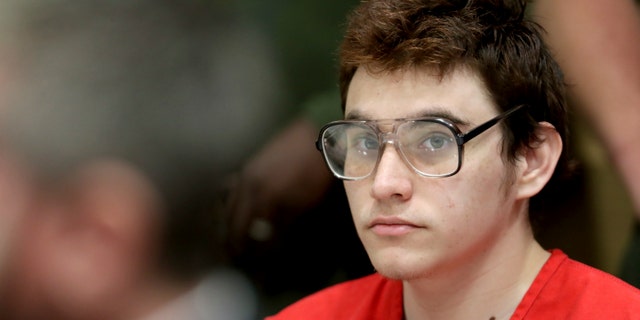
point(488, 286)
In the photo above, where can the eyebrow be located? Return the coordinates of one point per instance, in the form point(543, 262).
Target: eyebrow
point(435, 112)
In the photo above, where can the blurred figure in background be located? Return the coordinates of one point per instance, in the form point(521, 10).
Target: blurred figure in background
point(15, 195)
point(126, 114)
point(289, 222)
point(597, 44)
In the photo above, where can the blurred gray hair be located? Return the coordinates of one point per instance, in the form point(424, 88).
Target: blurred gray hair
point(182, 90)
point(138, 80)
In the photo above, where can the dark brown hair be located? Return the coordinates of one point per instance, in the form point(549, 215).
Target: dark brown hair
point(491, 38)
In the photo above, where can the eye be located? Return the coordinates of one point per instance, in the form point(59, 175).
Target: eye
point(365, 142)
point(436, 141)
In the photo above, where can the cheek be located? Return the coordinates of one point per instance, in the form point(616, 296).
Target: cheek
point(485, 171)
point(475, 194)
point(360, 201)
point(357, 194)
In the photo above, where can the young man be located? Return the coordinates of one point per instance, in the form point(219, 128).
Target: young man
point(455, 119)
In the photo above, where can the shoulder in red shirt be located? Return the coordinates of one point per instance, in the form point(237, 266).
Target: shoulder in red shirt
point(568, 289)
point(563, 289)
point(371, 297)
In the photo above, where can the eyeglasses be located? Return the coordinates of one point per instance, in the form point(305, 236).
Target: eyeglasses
point(432, 147)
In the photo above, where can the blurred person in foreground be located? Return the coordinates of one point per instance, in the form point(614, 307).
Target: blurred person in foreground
point(455, 119)
point(125, 114)
point(597, 44)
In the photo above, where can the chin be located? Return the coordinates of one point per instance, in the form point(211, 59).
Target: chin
point(403, 258)
point(404, 274)
point(400, 268)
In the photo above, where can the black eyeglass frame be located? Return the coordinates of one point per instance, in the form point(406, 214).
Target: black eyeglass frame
point(460, 137)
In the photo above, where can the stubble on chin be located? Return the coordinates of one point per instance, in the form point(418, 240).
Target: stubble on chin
point(396, 269)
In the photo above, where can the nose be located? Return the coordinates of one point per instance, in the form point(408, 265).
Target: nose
point(393, 177)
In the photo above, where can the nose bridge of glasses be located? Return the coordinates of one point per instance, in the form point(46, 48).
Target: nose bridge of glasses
point(391, 137)
point(389, 159)
point(386, 131)
point(388, 137)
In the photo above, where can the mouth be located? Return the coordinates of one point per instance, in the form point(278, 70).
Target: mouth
point(392, 226)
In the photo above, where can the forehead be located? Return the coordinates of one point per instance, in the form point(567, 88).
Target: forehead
point(411, 93)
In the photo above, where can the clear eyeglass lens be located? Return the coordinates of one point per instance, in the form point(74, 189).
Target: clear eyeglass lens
point(352, 149)
point(430, 147)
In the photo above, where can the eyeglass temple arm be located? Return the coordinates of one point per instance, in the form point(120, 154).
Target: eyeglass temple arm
point(319, 145)
point(465, 137)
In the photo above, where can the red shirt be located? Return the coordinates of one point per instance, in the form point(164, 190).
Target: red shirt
point(564, 289)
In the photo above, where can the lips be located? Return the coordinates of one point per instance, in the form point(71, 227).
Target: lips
point(392, 226)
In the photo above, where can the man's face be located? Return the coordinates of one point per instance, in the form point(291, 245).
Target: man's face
point(414, 226)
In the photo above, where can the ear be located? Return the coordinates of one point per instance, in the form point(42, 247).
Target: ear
point(538, 162)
